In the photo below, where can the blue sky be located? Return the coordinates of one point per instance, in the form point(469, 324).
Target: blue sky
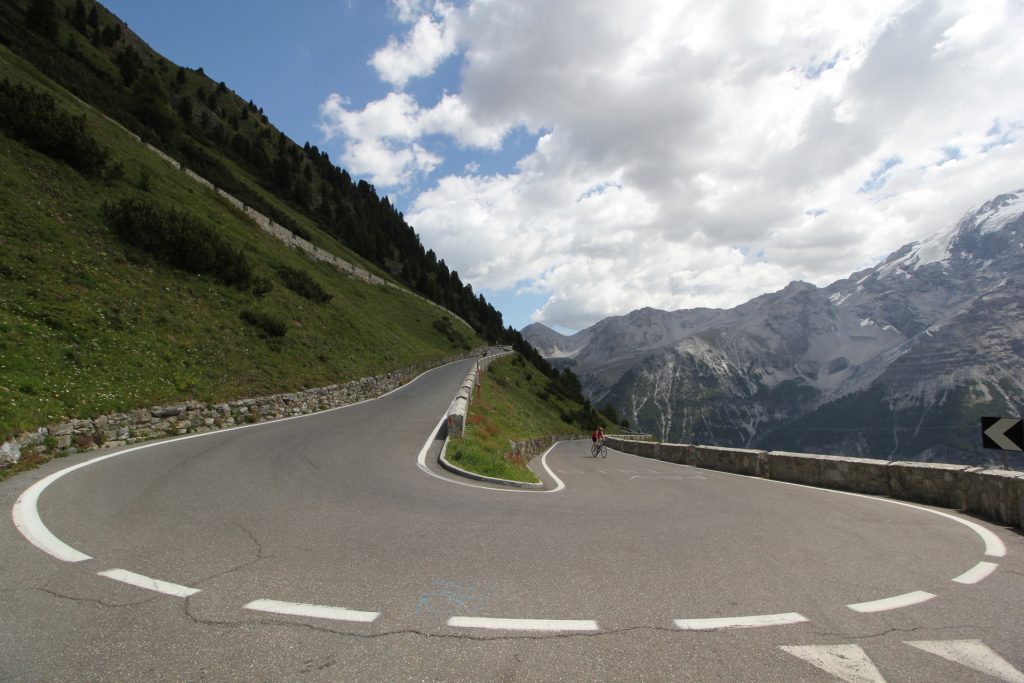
point(585, 158)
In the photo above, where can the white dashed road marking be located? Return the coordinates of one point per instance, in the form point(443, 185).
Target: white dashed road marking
point(895, 602)
point(846, 662)
point(299, 609)
point(755, 621)
point(524, 624)
point(979, 572)
point(150, 584)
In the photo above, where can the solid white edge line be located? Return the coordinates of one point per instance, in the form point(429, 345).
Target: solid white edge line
point(299, 609)
point(25, 512)
point(994, 546)
point(544, 463)
point(895, 602)
point(755, 621)
point(977, 573)
point(151, 584)
point(421, 462)
point(524, 624)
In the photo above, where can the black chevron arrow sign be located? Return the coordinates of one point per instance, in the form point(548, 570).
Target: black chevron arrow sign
point(1005, 433)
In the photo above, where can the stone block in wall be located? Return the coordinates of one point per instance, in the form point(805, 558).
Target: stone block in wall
point(10, 453)
point(167, 411)
point(861, 475)
point(925, 482)
point(996, 494)
point(61, 429)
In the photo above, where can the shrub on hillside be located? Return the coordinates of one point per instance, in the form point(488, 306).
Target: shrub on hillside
point(445, 327)
point(34, 118)
point(268, 325)
point(179, 239)
point(302, 284)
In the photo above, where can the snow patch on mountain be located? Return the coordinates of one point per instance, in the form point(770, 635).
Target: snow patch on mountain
point(994, 215)
point(940, 247)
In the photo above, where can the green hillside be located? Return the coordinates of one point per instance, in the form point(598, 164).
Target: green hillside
point(124, 283)
point(230, 141)
point(517, 401)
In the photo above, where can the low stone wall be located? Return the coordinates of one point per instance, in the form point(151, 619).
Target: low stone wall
point(531, 448)
point(931, 483)
point(860, 475)
point(194, 417)
point(735, 460)
point(995, 494)
point(635, 437)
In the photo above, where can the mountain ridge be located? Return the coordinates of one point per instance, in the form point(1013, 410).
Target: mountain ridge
point(895, 361)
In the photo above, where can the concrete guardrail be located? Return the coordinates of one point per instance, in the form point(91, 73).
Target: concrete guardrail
point(459, 408)
point(995, 494)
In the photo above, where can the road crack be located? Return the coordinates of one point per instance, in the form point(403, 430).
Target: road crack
point(421, 633)
point(243, 565)
point(93, 601)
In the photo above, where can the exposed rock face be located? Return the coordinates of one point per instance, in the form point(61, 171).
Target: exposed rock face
point(897, 361)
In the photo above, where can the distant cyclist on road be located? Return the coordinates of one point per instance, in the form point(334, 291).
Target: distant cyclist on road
point(597, 437)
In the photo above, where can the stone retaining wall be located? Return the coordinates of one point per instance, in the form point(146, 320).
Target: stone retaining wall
point(531, 448)
point(995, 494)
point(194, 417)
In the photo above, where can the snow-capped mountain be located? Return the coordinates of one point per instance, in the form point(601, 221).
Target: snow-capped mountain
point(895, 361)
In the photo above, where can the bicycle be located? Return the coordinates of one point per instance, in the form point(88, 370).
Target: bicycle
point(599, 449)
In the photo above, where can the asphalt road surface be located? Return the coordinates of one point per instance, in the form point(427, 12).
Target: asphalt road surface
point(320, 549)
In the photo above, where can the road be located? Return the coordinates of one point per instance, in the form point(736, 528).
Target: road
point(317, 549)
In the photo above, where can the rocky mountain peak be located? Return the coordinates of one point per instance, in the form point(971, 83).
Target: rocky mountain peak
point(895, 361)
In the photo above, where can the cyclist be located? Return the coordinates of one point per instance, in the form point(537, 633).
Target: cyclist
point(597, 436)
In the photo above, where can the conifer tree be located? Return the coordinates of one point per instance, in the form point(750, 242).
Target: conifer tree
point(41, 17)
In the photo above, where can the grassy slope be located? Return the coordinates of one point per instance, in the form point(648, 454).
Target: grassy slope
point(89, 325)
point(515, 403)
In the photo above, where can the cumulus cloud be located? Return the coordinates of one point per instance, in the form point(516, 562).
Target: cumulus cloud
point(698, 153)
point(380, 139)
point(430, 41)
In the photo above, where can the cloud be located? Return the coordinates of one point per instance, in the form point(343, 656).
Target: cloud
point(381, 139)
point(699, 153)
point(388, 165)
point(430, 41)
point(408, 11)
